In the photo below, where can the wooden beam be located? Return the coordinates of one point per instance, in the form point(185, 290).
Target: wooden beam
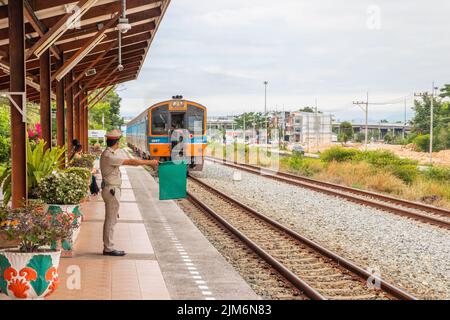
point(69, 113)
point(108, 83)
point(39, 27)
point(90, 66)
point(111, 33)
point(81, 120)
point(100, 73)
point(80, 54)
point(17, 84)
point(45, 103)
point(105, 79)
point(60, 27)
point(60, 127)
point(105, 92)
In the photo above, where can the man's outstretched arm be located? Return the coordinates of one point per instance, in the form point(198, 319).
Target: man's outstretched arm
point(137, 162)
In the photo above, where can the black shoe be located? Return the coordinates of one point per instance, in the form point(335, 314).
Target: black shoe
point(114, 253)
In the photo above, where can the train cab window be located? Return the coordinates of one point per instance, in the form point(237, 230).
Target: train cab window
point(195, 120)
point(177, 120)
point(160, 120)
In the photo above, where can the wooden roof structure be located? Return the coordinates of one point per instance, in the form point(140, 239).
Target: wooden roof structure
point(99, 20)
point(73, 52)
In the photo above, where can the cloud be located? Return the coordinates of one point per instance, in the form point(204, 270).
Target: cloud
point(220, 52)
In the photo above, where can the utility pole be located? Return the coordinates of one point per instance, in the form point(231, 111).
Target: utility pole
point(361, 104)
point(404, 127)
point(265, 96)
point(317, 125)
point(425, 94)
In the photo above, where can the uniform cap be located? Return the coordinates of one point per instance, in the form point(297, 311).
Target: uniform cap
point(114, 135)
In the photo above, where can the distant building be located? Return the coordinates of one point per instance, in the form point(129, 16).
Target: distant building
point(377, 130)
point(309, 128)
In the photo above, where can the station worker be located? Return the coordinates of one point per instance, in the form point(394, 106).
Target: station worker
point(110, 161)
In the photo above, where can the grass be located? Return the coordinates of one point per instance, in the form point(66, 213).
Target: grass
point(378, 171)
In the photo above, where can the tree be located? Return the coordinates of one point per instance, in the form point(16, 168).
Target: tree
point(5, 133)
point(445, 91)
point(346, 132)
point(441, 123)
point(114, 102)
point(307, 109)
point(106, 110)
point(255, 120)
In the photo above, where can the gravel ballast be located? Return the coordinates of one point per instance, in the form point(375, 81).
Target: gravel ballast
point(408, 253)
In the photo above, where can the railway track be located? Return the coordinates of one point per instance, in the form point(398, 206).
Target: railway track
point(421, 212)
point(317, 272)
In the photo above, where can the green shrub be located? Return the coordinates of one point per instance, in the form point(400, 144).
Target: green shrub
point(422, 142)
point(438, 174)
point(82, 172)
point(339, 154)
point(5, 149)
point(408, 173)
point(40, 162)
point(388, 138)
point(303, 166)
point(384, 158)
point(67, 188)
point(85, 161)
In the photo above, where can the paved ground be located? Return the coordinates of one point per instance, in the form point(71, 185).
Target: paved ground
point(191, 266)
point(168, 257)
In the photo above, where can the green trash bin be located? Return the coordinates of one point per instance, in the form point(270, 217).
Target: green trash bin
point(172, 180)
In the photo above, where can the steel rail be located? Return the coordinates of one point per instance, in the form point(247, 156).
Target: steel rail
point(331, 189)
point(285, 272)
point(347, 264)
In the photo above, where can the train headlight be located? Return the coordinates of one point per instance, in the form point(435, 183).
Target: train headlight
point(155, 150)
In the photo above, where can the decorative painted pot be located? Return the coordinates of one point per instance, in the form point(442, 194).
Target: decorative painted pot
point(73, 210)
point(28, 275)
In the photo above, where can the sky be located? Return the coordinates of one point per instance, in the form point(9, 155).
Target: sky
point(219, 53)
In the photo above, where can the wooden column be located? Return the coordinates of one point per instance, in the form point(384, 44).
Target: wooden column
point(86, 117)
point(17, 84)
point(46, 109)
point(86, 121)
point(76, 114)
point(81, 115)
point(69, 113)
point(60, 127)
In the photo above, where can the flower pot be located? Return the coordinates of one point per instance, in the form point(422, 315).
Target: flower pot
point(5, 242)
point(28, 275)
point(74, 210)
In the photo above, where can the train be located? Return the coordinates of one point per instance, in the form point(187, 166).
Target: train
point(170, 130)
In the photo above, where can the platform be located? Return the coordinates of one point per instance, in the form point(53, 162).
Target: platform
point(168, 257)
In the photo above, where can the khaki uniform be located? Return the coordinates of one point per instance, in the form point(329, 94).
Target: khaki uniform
point(110, 163)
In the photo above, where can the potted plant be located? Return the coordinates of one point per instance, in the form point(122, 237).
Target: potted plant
point(62, 193)
point(30, 271)
point(86, 160)
point(40, 162)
